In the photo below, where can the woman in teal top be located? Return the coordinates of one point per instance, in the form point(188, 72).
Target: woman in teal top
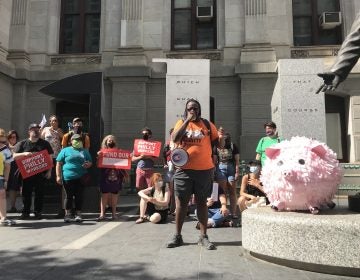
point(72, 164)
point(270, 139)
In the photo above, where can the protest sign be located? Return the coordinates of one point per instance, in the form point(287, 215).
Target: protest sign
point(148, 148)
point(34, 164)
point(114, 158)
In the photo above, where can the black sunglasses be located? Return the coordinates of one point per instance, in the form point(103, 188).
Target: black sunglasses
point(192, 108)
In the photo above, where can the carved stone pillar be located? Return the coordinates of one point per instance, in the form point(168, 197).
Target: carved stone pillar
point(131, 50)
point(131, 23)
point(19, 31)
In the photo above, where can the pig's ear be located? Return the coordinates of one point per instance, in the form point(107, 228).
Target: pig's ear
point(319, 150)
point(272, 152)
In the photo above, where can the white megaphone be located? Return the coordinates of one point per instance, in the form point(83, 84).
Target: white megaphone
point(179, 157)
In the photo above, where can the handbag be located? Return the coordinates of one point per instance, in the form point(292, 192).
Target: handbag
point(86, 180)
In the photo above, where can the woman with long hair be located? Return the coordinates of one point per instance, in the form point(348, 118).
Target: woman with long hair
point(111, 181)
point(154, 201)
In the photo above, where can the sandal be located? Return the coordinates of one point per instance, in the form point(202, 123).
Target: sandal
point(101, 219)
point(140, 220)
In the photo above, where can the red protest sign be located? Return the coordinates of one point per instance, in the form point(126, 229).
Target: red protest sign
point(114, 158)
point(148, 148)
point(34, 164)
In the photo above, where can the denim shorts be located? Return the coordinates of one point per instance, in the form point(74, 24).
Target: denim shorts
point(188, 182)
point(225, 172)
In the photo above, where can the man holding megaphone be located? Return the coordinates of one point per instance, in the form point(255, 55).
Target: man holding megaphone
point(195, 169)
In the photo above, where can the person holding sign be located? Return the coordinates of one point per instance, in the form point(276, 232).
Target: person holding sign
point(196, 137)
point(111, 180)
point(145, 164)
point(35, 182)
point(72, 164)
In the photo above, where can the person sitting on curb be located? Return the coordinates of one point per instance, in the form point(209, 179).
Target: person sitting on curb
point(154, 201)
point(217, 209)
point(251, 189)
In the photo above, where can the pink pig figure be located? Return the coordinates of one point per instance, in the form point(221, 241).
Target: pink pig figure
point(300, 174)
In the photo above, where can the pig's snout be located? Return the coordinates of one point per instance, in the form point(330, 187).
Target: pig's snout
point(288, 174)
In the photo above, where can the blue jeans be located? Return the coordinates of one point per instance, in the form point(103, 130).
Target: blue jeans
point(225, 172)
point(215, 217)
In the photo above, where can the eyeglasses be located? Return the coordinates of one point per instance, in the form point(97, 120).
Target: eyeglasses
point(192, 108)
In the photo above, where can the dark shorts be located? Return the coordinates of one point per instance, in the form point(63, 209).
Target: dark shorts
point(15, 179)
point(197, 182)
point(163, 213)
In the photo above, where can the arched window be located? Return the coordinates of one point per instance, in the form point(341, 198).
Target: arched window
point(80, 26)
point(308, 22)
point(193, 24)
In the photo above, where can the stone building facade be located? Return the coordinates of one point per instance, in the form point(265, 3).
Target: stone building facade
point(244, 39)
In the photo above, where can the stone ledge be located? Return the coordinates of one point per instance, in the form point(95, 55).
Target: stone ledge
point(328, 243)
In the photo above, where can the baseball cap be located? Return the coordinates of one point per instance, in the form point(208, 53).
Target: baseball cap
point(75, 136)
point(77, 119)
point(34, 125)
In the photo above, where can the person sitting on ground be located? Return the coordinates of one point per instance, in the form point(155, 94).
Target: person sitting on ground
point(217, 209)
point(111, 181)
point(251, 187)
point(154, 201)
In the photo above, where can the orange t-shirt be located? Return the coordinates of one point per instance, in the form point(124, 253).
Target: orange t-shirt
point(197, 143)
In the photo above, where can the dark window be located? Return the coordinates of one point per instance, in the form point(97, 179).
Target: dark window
point(307, 27)
point(80, 26)
point(193, 24)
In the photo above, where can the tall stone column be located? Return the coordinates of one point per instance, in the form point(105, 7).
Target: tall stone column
point(19, 110)
point(5, 16)
point(131, 37)
point(19, 30)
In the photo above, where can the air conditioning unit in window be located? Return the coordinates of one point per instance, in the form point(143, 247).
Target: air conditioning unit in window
point(329, 20)
point(204, 13)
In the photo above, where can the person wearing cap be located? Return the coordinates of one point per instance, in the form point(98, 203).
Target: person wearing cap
point(270, 139)
point(71, 165)
point(5, 160)
point(77, 125)
point(35, 183)
point(251, 188)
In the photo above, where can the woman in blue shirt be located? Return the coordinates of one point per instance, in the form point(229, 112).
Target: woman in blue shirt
point(72, 164)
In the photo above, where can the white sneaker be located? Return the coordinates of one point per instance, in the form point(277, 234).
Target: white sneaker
point(78, 219)
point(67, 218)
point(6, 222)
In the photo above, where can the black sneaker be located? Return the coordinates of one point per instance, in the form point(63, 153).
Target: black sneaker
point(38, 215)
point(176, 241)
point(24, 216)
point(204, 241)
point(60, 214)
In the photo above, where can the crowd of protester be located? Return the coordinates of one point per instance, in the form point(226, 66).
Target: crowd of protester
point(208, 177)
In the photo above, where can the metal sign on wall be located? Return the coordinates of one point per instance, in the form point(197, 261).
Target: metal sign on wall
point(185, 79)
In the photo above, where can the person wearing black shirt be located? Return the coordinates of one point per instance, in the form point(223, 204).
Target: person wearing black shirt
point(35, 183)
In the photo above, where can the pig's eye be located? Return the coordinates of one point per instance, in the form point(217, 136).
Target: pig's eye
point(301, 161)
point(280, 163)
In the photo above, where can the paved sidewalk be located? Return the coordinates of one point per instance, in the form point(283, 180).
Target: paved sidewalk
point(50, 249)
